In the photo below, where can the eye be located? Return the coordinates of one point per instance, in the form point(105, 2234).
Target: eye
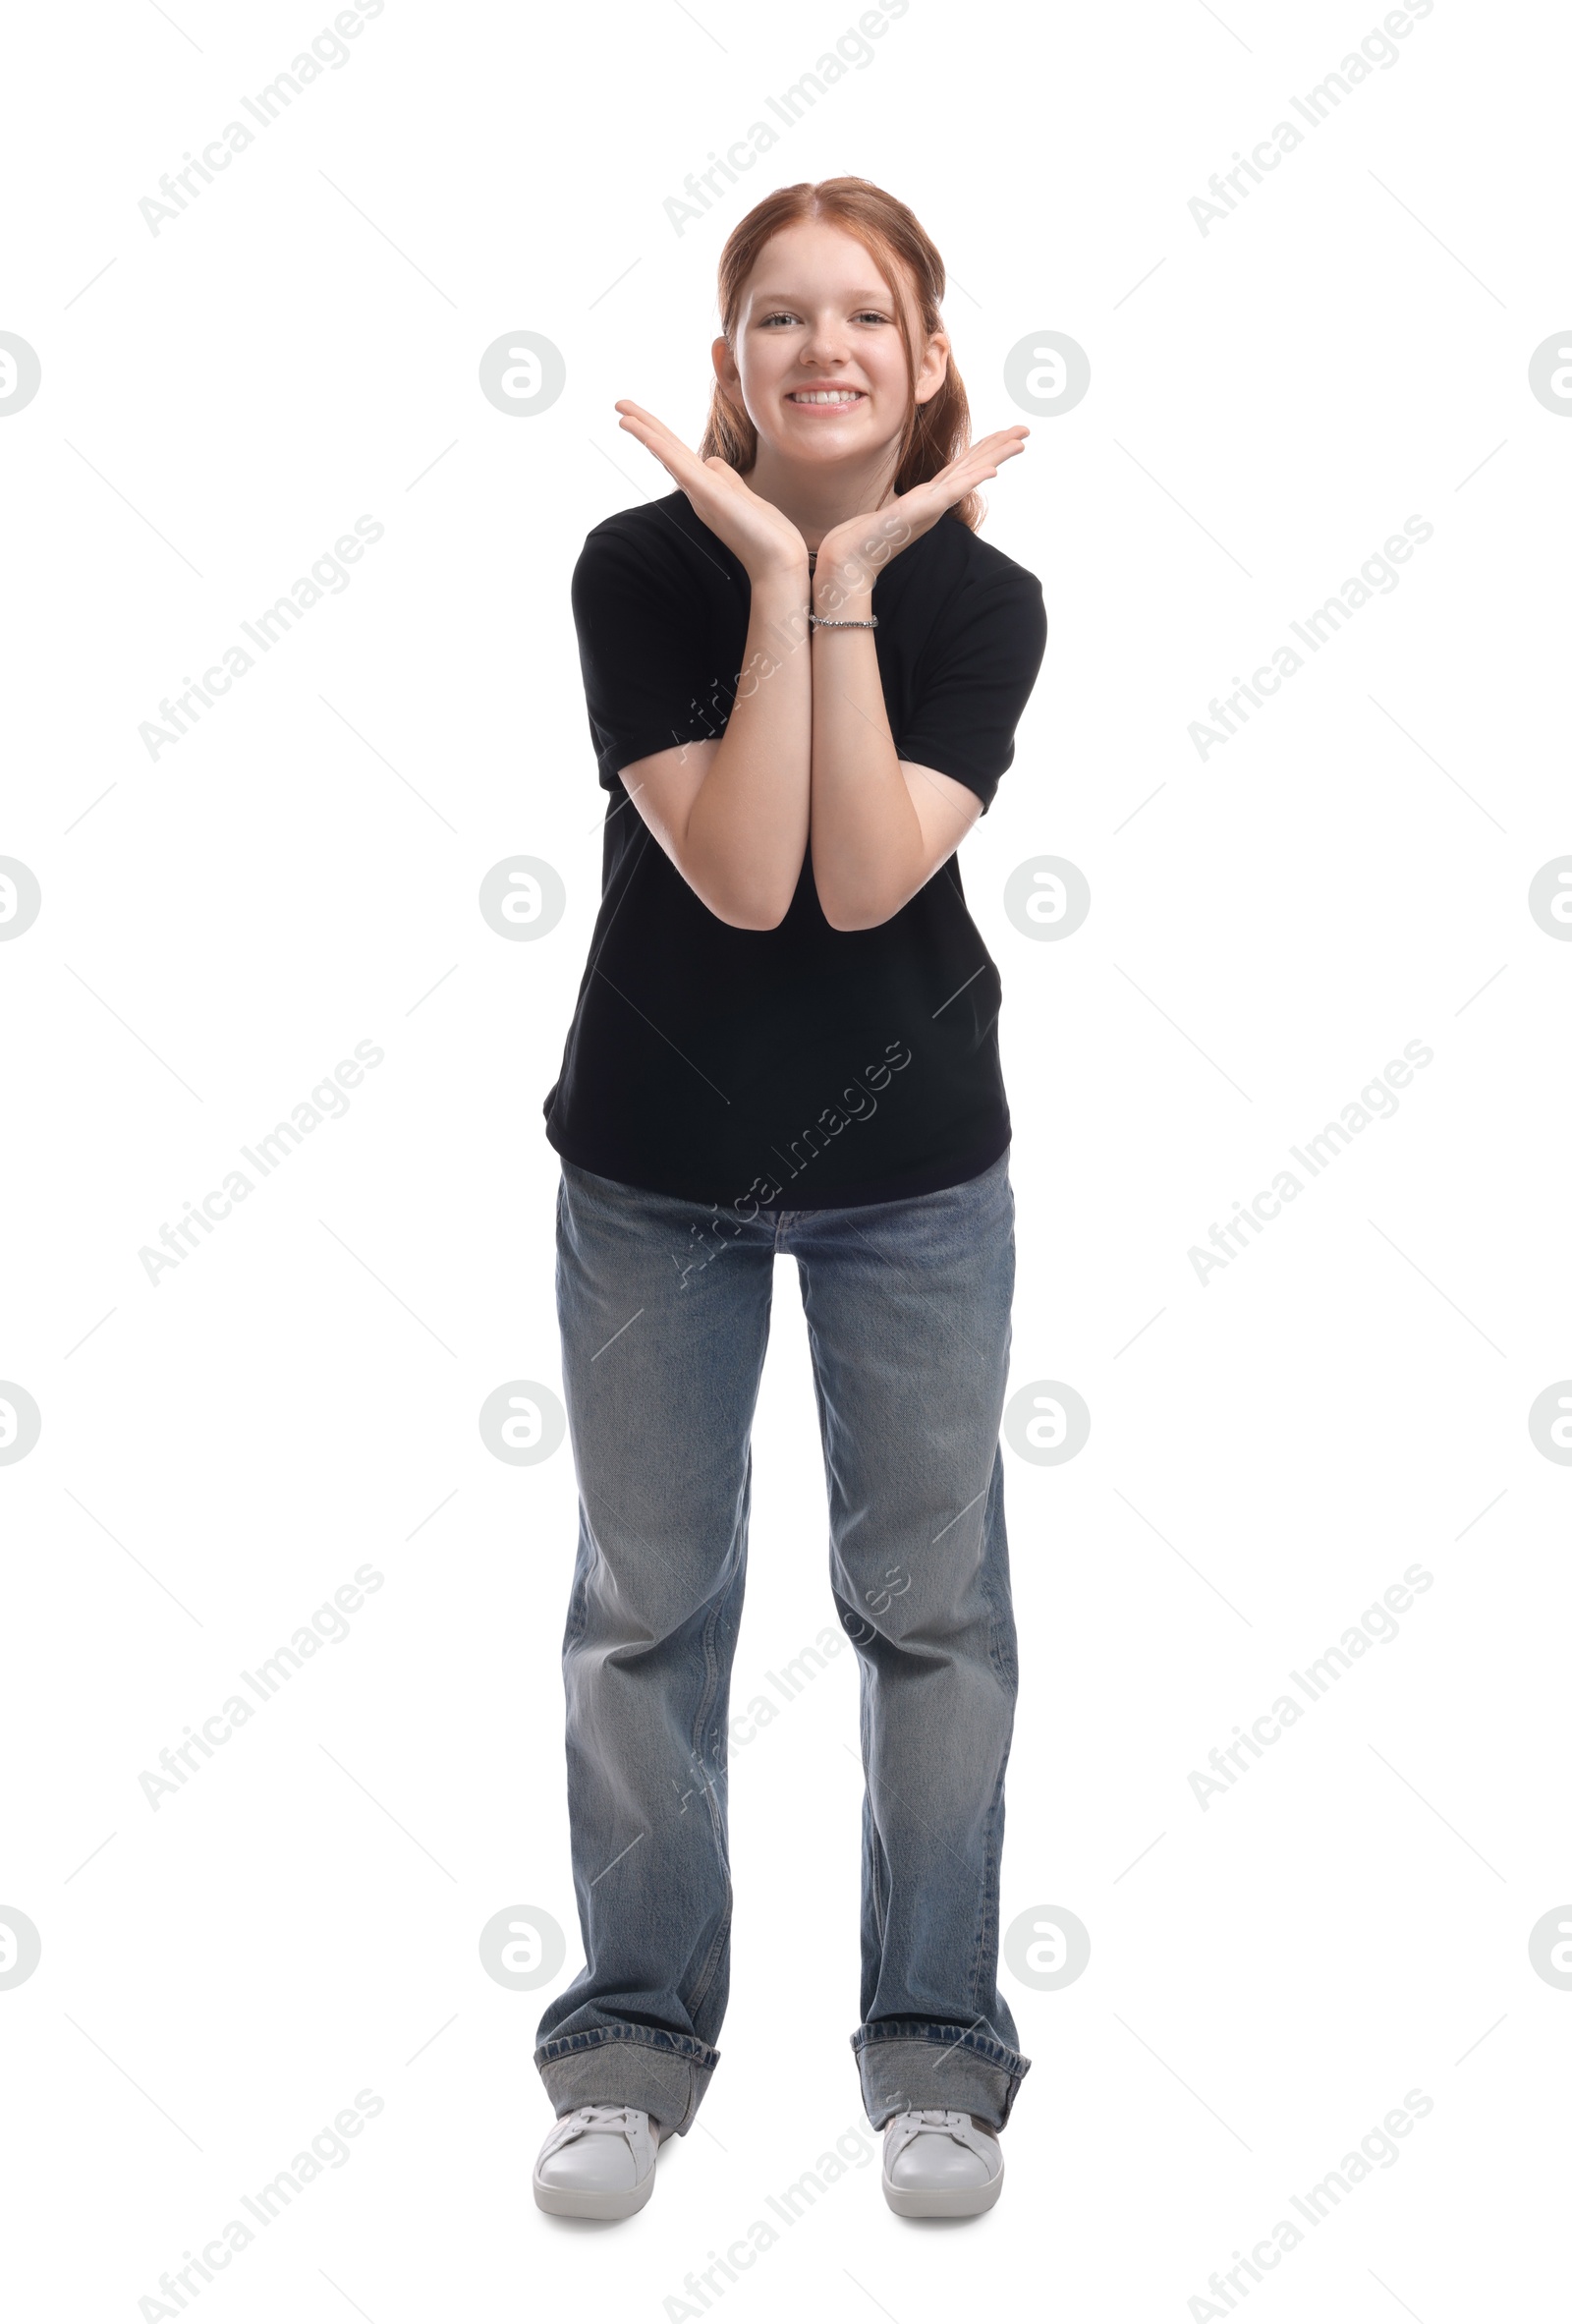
point(870, 315)
point(781, 316)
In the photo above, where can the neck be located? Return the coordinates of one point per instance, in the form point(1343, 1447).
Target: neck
point(817, 499)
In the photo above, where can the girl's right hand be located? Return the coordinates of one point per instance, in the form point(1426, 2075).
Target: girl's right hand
point(764, 542)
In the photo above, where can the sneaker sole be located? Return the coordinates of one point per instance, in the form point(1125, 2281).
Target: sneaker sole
point(591, 2202)
point(956, 2202)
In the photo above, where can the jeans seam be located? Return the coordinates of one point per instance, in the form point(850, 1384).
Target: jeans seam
point(1000, 1622)
point(1000, 1611)
point(876, 1845)
point(987, 1925)
point(578, 1600)
point(706, 1975)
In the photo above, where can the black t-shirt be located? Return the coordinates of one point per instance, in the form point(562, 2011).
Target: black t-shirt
point(802, 1065)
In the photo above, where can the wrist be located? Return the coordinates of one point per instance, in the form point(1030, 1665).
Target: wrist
point(842, 593)
point(781, 572)
point(781, 588)
point(788, 578)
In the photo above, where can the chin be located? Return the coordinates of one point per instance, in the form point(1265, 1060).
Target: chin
point(819, 446)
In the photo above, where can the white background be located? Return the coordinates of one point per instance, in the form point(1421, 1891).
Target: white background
point(1269, 1452)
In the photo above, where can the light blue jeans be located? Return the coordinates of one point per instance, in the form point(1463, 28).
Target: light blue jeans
point(665, 1323)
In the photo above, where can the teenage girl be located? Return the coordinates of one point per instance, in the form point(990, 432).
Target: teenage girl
point(803, 672)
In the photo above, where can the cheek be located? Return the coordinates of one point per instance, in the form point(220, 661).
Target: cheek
point(762, 367)
point(886, 364)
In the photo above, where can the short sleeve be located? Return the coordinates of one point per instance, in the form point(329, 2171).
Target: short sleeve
point(640, 650)
point(973, 679)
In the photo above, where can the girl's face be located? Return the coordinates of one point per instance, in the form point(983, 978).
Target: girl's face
point(820, 366)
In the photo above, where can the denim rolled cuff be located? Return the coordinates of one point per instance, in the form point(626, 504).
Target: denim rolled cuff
point(664, 2074)
point(934, 2064)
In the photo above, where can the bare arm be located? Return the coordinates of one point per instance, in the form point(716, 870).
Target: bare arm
point(732, 813)
point(880, 826)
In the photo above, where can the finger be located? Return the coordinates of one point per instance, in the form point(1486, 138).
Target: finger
point(979, 463)
point(672, 453)
point(1002, 439)
point(648, 430)
point(626, 404)
point(643, 425)
point(652, 443)
point(968, 467)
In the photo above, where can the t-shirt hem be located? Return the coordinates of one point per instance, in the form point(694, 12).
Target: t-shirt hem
point(628, 749)
point(933, 1178)
point(944, 760)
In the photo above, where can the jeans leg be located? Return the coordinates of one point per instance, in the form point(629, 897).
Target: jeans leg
point(908, 1308)
point(661, 1363)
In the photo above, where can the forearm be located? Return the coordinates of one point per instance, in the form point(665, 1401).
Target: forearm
point(869, 846)
point(746, 830)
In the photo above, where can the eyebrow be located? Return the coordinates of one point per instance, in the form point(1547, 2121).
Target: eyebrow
point(880, 298)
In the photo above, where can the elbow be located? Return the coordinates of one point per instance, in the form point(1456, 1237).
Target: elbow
point(759, 914)
point(758, 907)
point(754, 925)
point(856, 927)
point(854, 900)
point(849, 917)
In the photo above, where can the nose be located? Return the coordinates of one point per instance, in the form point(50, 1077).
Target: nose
point(826, 343)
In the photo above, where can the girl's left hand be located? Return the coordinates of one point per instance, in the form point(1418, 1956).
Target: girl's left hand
point(853, 554)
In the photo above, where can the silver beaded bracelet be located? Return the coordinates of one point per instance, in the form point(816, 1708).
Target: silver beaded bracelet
point(818, 622)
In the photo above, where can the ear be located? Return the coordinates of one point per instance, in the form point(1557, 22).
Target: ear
point(933, 368)
point(726, 371)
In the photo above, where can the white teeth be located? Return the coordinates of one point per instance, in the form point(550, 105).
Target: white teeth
point(826, 395)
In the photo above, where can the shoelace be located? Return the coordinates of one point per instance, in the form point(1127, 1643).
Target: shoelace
point(917, 2119)
point(591, 2117)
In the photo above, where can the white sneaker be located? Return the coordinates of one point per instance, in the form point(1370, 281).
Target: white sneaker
point(599, 2162)
point(938, 2164)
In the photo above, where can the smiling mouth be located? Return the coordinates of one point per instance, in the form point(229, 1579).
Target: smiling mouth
point(826, 399)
